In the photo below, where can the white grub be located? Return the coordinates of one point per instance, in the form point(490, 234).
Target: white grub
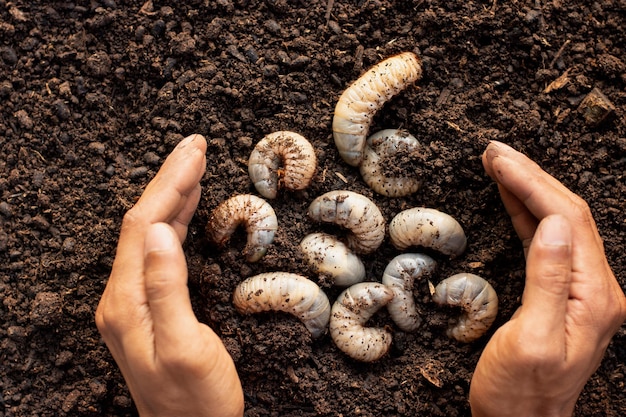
point(254, 213)
point(380, 149)
point(281, 159)
point(400, 275)
point(476, 297)
point(429, 228)
point(287, 292)
point(351, 311)
point(364, 97)
point(332, 260)
point(354, 212)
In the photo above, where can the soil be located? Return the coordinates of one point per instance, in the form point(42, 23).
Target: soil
point(95, 95)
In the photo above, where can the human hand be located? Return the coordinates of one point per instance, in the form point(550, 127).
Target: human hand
point(538, 363)
point(173, 364)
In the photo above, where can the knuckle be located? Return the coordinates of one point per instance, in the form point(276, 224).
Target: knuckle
point(105, 322)
point(132, 217)
point(580, 210)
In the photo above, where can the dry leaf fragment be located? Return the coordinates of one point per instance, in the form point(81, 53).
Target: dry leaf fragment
point(558, 83)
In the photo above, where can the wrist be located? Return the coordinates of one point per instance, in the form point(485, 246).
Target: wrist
point(514, 406)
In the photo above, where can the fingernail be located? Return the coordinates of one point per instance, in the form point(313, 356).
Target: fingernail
point(189, 139)
point(494, 148)
point(159, 238)
point(490, 153)
point(555, 230)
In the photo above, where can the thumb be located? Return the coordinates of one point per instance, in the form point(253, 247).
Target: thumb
point(549, 276)
point(165, 270)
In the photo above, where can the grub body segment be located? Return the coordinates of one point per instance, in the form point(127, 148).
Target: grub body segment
point(478, 300)
point(332, 260)
point(352, 211)
point(379, 150)
point(349, 314)
point(400, 276)
point(428, 228)
point(247, 210)
point(282, 159)
point(287, 292)
point(364, 97)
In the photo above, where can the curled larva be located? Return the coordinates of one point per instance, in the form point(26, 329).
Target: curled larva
point(399, 276)
point(281, 159)
point(476, 297)
point(332, 260)
point(257, 216)
point(350, 312)
point(380, 149)
point(356, 213)
point(283, 291)
point(365, 96)
point(428, 228)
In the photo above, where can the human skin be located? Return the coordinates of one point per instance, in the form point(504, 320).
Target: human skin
point(537, 363)
point(173, 364)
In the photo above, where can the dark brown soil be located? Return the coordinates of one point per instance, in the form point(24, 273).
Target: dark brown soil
point(93, 98)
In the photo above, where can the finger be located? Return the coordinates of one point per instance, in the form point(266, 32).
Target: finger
point(179, 176)
point(165, 198)
point(524, 223)
point(541, 193)
point(497, 149)
point(169, 196)
point(548, 278)
point(167, 294)
point(181, 222)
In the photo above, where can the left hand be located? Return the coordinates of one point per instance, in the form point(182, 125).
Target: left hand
point(173, 364)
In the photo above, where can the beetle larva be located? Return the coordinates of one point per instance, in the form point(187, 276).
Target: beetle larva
point(287, 149)
point(399, 276)
point(426, 227)
point(476, 297)
point(365, 96)
point(332, 260)
point(254, 213)
point(284, 291)
point(378, 149)
point(356, 213)
point(351, 311)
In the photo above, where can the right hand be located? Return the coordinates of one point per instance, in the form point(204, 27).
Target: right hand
point(538, 363)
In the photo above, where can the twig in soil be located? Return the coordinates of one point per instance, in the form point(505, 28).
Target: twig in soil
point(559, 53)
point(329, 9)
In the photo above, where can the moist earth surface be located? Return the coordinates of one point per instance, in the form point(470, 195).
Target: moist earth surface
point(95, 94)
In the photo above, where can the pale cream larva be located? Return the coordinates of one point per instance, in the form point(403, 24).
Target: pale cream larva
point(476, 297)
point(365, 96)
point(354, 212)
point(349, 314)
point(429, 228)
point(400, 275)
point(332, 260)
point(254, 213)
point(287, 292)
point(378, 155)
point(282, 159)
